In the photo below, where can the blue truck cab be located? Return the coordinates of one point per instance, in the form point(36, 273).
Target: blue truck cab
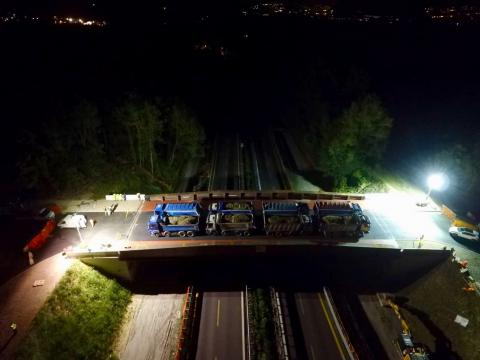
point(286, 218)
point(182, 219)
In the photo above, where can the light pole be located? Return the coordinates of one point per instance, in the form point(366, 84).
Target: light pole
point(435, 182)
point(79, 233)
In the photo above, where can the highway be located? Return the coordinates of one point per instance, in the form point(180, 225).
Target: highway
point(221, 334)
point(222, 327)
point(320, 336)
point(268, 173)
point(219, 177)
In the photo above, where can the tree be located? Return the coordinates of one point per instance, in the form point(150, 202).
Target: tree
point(186, 136)
point(357, 139)
point(143, 124)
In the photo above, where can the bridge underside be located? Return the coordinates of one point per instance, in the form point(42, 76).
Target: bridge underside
point(292, 266)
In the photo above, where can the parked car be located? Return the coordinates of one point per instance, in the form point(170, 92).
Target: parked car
point(46, 214)
point(464, 233)
point(73, 221)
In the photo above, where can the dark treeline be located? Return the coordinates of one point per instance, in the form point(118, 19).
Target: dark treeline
point(86, 148)
point(337, 87)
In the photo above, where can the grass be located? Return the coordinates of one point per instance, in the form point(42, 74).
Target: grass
point(430, 306)
point(80, 319)
point(262, 322)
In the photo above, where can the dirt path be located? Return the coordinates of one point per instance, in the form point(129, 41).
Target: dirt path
point(151, 330)
point(20, 300)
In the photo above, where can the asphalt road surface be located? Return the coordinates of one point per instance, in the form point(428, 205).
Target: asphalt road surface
point(152, 330)
point(266, 164)
point(223, 154)
point(321, 339)
point(221, 335)
point(405, 223)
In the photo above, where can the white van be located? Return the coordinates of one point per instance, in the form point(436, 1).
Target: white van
point(73, 221)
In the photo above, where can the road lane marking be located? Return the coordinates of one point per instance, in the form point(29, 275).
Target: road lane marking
point(332, 330)
point(243, 325)
point(218, 312)
point(134, 220)
point(301, 305)
point(313, 352)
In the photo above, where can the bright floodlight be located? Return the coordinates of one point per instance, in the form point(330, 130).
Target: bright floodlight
point(436, 181)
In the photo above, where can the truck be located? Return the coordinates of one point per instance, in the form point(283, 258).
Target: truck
point(408, 349)
point(286, 218)
point(182, 219)
point(341, 219)
point(228, 218)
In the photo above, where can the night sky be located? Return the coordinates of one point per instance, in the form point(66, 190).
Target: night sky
point(114, 8)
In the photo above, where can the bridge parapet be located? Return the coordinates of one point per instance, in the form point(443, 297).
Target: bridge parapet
point(254, 195)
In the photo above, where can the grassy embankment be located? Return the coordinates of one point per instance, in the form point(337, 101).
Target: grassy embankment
point(430, 306)
point(80, 319)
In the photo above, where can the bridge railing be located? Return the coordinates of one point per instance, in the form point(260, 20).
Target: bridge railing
point(253, 195)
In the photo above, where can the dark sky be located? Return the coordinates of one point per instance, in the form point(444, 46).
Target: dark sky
point(143, 5)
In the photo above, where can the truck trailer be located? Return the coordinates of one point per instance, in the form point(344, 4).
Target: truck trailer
point(286, 218)
point(336, 220)
point(182, 219)
point(228, 218)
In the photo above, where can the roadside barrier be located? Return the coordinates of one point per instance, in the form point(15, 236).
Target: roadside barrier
point(41, 238)
point(125, 197)
point(189, 314)
point(254, 195)
point(280, 333)
point(449, 213)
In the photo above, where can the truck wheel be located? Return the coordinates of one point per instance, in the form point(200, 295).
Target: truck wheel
point(166, 234)
point(246, 233)
point(223, 233)
point(239, 233)
point(208, 232)
point(190, 234)
point(182, 233)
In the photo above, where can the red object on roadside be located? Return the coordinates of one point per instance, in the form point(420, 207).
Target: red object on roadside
point(56, 209)
point(41, 238)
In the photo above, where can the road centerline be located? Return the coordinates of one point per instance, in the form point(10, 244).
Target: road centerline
point(218, 312)
point(330, 325)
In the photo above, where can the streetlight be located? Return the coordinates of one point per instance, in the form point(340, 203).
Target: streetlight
point(435, 182)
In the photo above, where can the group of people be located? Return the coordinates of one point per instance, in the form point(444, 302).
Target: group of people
point(109, 209)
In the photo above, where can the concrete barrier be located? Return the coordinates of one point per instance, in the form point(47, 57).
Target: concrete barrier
point(449, 213)
point(254, 195)
point(120, 197)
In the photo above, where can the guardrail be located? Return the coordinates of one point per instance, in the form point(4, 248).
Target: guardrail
point(352, 354)
point(253, 195)
point(186, 325)
point(280, 333)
